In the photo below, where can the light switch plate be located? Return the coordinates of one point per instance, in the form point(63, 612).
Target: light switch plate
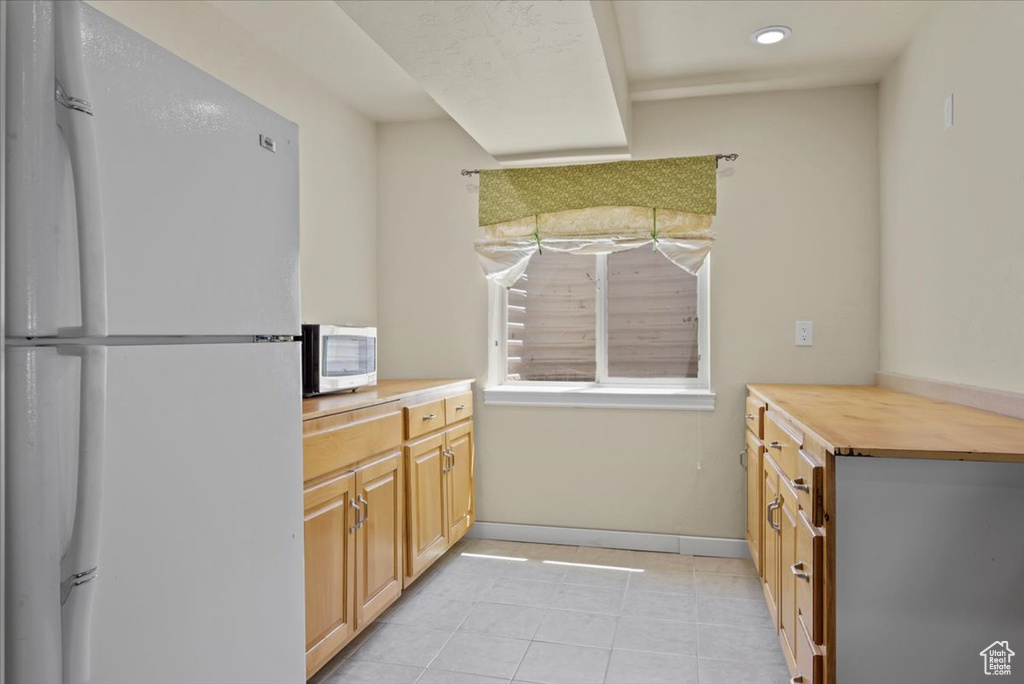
point(948, 110)
point(804, 333)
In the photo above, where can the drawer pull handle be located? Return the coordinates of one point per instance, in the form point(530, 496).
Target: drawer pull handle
point(775, 445)
point(772, 507)
point(797, 680)
point(366, 513)
point(430, 416)
point(448, 456)
point(750, 416)
point(460, 407)
point(801, 484)
point(797, 570)
point(359, 512)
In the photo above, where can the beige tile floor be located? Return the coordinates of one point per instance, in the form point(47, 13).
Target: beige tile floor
point(683, 620)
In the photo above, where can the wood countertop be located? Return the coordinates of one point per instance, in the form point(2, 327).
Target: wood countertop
point(852, 419)
point(383, 392)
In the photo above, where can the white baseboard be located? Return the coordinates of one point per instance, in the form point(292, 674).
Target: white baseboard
point(612, 539)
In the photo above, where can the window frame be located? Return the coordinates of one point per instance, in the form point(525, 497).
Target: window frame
point(605, 391)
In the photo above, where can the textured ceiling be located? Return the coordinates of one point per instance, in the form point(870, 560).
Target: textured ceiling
point(521, 77)
point(536, 80)
point(322, 41)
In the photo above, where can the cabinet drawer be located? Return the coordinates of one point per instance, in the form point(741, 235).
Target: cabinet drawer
point(809, 660)
point(755, 417)
point(423, 418)
point(807, 484)
point(808, 570)
point(458, 408)
point(332, 443)
point(782, 445)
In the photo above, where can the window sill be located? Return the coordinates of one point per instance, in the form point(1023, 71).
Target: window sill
point(601, 397)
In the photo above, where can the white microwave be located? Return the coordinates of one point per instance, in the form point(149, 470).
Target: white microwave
point(337, 358)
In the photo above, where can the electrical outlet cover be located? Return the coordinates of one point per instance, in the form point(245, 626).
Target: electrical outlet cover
point(804, 333)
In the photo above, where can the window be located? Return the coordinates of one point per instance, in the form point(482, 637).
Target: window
point(623, 329)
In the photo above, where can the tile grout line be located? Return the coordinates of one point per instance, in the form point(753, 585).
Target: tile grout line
point(560, 582)
point(475, 604)
point(618, 621)
point(446, 641)
point(434, 572)
point(564, 580)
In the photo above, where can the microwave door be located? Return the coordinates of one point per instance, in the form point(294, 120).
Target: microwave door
point(346, 355)
point(347, 361)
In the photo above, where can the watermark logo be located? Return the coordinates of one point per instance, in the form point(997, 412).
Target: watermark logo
point(997, 658)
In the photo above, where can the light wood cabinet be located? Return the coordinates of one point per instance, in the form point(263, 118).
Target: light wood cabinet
point(806, 430)
point(790, 553)
point(354, 529)
point(428, 533)
point(329, 529)
point(424, 418)
point(790, 547)
point(442, 505)
point(458, 408)
point(755, 498)
point(380, 536)
point(787, 517)
point(810, 546)
point(770, 541)
point(461, 511)
point(388, 489)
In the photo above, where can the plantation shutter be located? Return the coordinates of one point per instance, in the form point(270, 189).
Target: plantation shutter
point(652, 317)
point(552, 321)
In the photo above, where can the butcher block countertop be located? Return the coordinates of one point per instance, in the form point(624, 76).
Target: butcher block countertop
point(866, 420)
point(383, 392)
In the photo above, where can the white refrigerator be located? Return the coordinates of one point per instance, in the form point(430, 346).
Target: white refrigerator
point(153, 464)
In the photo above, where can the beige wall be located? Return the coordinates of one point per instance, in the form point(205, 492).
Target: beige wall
point(798, 239)
point(952, 201)
point(338, 149)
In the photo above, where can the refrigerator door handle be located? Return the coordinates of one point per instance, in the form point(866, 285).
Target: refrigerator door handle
point(75, 580)
point(77, 124)
point(80, 564)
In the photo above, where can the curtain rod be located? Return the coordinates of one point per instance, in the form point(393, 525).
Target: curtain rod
point(718, 158)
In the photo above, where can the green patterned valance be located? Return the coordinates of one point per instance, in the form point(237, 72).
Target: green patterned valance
point(684, 184)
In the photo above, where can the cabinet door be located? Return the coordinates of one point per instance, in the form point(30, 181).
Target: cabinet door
point(787, 557)
point(330, 515)
point(379, 570)
point(461, 506)
point(428, 533)
point(755, 505)
point(770, 545)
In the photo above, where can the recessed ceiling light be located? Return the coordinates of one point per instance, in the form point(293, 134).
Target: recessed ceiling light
point(770, 35)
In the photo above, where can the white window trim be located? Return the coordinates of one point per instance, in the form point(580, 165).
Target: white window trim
point(693, 394)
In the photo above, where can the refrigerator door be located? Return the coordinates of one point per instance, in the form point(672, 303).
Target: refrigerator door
point(34, 529)
point(175, 197)
point(199, 543)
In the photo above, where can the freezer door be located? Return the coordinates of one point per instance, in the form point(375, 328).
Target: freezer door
point(175, 197)
point(199, 548)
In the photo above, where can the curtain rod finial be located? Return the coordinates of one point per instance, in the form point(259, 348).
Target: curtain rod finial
point(470, 172)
